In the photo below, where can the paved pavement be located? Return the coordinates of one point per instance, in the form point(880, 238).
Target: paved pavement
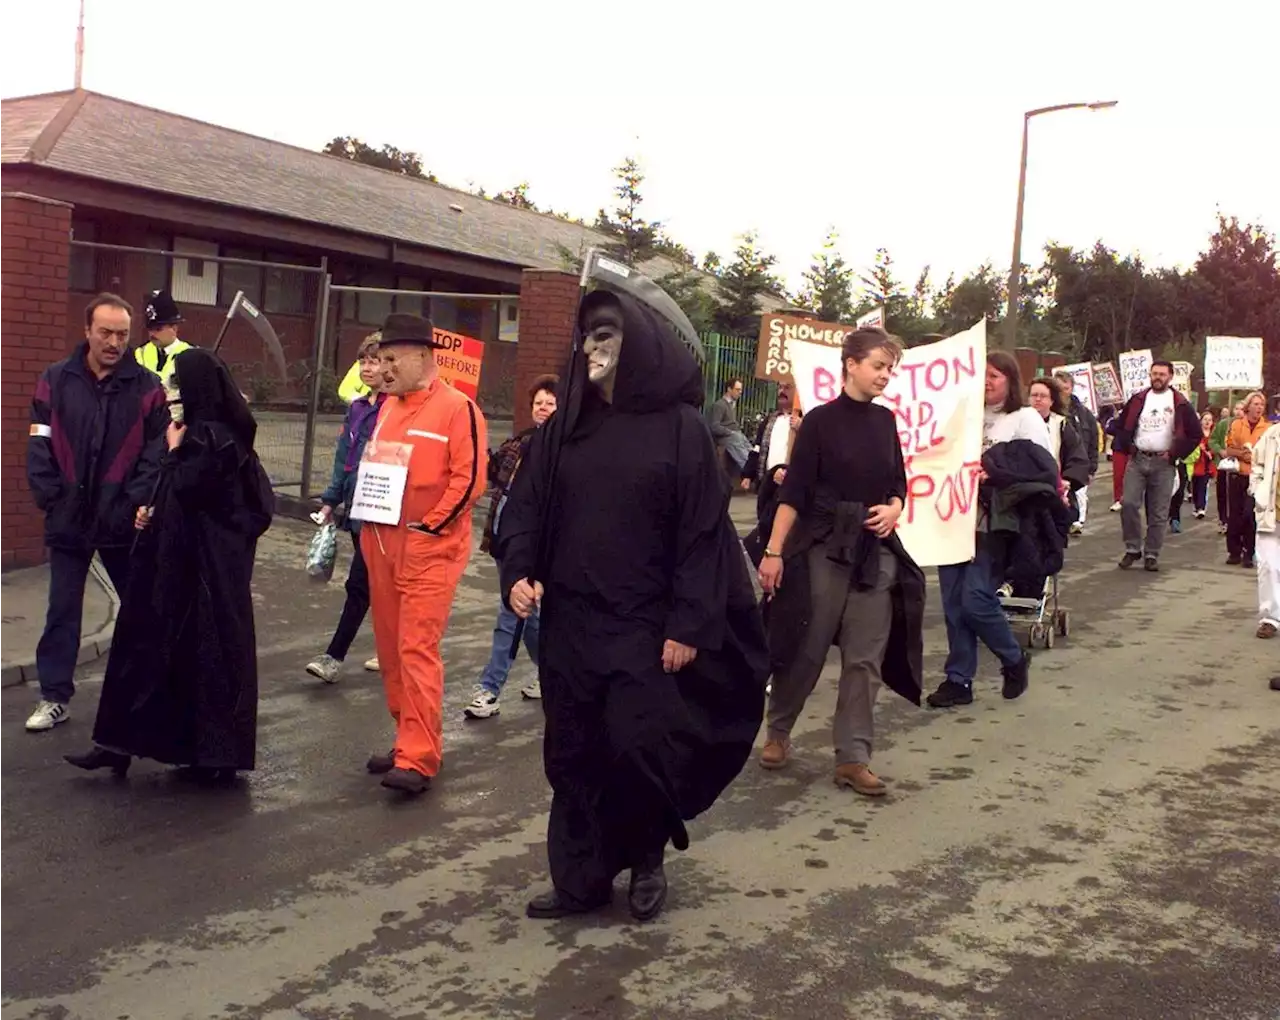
point(1104, 847)
point(26, 599)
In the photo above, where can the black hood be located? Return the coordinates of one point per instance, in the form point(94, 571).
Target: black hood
point(655, 369)
point(209, 395)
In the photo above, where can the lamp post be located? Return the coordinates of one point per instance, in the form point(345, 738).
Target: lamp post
point(1015, 270)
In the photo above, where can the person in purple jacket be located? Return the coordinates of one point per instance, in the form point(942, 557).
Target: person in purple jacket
point(362, 415)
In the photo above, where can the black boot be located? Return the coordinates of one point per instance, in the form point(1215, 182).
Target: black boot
point(648, 889)
point(548, 906)
point(100, 758)
point(1016, 677)
point(408, 781)
point(949, 694)
point(379, 764)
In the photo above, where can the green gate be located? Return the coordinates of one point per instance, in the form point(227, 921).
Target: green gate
point(734, 357)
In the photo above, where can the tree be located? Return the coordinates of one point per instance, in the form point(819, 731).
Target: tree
point(408, 164)
point(636, 240)
point(979, 295)
point(740, 286)
point(688, 289)
point(828, 289)
point(517, 196)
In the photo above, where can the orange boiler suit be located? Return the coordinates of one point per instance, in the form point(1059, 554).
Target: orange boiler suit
point(413, 573)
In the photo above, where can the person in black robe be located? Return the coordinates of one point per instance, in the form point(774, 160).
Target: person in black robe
point(181, 684)
point(653, 657)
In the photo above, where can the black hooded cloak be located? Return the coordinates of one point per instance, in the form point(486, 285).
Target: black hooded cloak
point(182, 683)
point(639, 549)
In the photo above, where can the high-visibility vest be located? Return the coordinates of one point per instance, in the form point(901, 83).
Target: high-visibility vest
point(351, 386)
point(148, 356)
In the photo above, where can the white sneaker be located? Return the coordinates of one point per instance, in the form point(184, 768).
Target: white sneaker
point(532, 691)
point(372, 665)
point(483, 705)
point(47, 715)
point(1199, 515)
point(1116, 507)
point(1005, 591)
point(1077, 528)
point(325, 668)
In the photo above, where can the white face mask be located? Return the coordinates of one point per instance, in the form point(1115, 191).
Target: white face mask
point(602, 346)
point(173, 397)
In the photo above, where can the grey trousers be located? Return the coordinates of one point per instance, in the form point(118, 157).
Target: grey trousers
point(1148, 483)
point(863, 619)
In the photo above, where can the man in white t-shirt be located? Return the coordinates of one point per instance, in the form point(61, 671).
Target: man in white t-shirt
point(1158, 427)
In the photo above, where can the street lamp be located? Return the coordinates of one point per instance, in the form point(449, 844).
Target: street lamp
point(1015, 270)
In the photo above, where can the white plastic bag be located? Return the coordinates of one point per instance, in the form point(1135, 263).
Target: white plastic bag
point(322, 552)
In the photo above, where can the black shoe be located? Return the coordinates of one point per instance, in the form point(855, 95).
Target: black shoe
point(1247, 562)
point(408, 781)
point(949, 694)
point(1152, 565)
point(1275, 683)
point(100, 758)
point(1233, 560)
point(381, 763)
point(648, 892)
point(1016, 677)
point(550, 905)
point(1128, 560)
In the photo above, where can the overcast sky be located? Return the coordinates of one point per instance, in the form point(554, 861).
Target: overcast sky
point(898, 123)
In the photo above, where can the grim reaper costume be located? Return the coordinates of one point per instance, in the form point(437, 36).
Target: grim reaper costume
point(182, 683)
point(638, 549)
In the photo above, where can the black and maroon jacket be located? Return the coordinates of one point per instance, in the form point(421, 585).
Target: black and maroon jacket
point(1186, 425)
point(95, 450)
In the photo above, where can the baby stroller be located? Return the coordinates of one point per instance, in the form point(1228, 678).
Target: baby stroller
point(1043, 614)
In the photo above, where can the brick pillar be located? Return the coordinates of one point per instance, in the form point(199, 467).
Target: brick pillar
point(548, 302)
point(35, 235)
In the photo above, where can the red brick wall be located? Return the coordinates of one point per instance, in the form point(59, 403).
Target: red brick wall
point(34, 252)
point(548, 301)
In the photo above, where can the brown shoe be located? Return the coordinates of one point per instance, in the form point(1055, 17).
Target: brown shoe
point(1266, 630)
point(861, 779)
point(775, 754)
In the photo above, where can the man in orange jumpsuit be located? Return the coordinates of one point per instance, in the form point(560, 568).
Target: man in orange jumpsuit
point(421, 473)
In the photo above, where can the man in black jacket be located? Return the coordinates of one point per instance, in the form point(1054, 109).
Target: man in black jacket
point(98, 425)
point(1086, 426)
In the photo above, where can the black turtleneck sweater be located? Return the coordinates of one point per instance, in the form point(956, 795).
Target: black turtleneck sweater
point(850, 450)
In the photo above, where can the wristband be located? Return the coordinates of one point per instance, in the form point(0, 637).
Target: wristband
point(769, 553)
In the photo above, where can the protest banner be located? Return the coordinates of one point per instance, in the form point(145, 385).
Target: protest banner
point(1182, 377)
point(936, 394)
point(459, 361)
point(778, 332)
point(1232, 362)
point(1082, 381)
point(1106, 385)
point(1135, 371)
point(873, 319)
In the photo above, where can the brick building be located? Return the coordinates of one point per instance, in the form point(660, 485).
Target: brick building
point(81, 167)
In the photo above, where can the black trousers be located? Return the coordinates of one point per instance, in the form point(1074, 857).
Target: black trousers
point(1241, 526)
point(355, 608)
point(59, 645)
point(1223, 498)
point(1179, 497)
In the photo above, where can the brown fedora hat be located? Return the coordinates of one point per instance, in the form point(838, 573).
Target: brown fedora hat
point(405, 328)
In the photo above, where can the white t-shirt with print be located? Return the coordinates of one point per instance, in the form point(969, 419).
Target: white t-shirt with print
point(1155, 424)
point(1025, 423)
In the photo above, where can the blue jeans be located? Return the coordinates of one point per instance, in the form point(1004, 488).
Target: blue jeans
point(501, 660)
point(973, 612)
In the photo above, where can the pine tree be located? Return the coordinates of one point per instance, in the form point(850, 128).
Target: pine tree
point(828, 289)
point(741, 284)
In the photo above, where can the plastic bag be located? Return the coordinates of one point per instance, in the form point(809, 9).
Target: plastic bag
point(322, 552)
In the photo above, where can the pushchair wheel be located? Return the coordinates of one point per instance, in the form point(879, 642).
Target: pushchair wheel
point(1063, 621)
point(1040, 636)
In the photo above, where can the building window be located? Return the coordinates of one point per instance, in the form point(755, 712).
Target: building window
point(286, 291)
point(82, 274)
point(236, 277)
point(195, 279)
point(373, 309)
point(156, 268)
point(407, 302)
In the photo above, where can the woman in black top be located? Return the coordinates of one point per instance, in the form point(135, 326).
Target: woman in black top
point(837, 571)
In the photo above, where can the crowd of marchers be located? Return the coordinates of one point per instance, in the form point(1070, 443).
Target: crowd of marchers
point(621, 572)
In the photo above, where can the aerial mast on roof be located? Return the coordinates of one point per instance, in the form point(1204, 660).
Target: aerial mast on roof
point(80, 49)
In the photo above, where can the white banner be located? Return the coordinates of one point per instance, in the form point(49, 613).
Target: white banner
point(1135, 371)
point(1082, 379)
point(1232, 362)
point(936, 393)
point(1182, 377)
point(872, 319)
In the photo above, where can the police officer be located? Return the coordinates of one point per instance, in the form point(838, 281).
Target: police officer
point(98, 426)
point(162, 316)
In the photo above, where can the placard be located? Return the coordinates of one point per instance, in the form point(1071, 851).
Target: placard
point(1082, 382)
point(936, 394)
point(778, 332)
point(1106, 384)
point(1135, 371)
point(1232, 362)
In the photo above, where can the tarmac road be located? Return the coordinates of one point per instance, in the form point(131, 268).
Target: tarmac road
point(1108, 846)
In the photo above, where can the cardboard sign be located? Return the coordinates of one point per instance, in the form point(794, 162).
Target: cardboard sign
point(936, 394)
point(873, 319)
point(1135, 371)
point(1106, 385)
point(1182, 377)
point(380, 482)
point(1082, 383)
point(460, 360)
point(1232, 362)
point(778, 332)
